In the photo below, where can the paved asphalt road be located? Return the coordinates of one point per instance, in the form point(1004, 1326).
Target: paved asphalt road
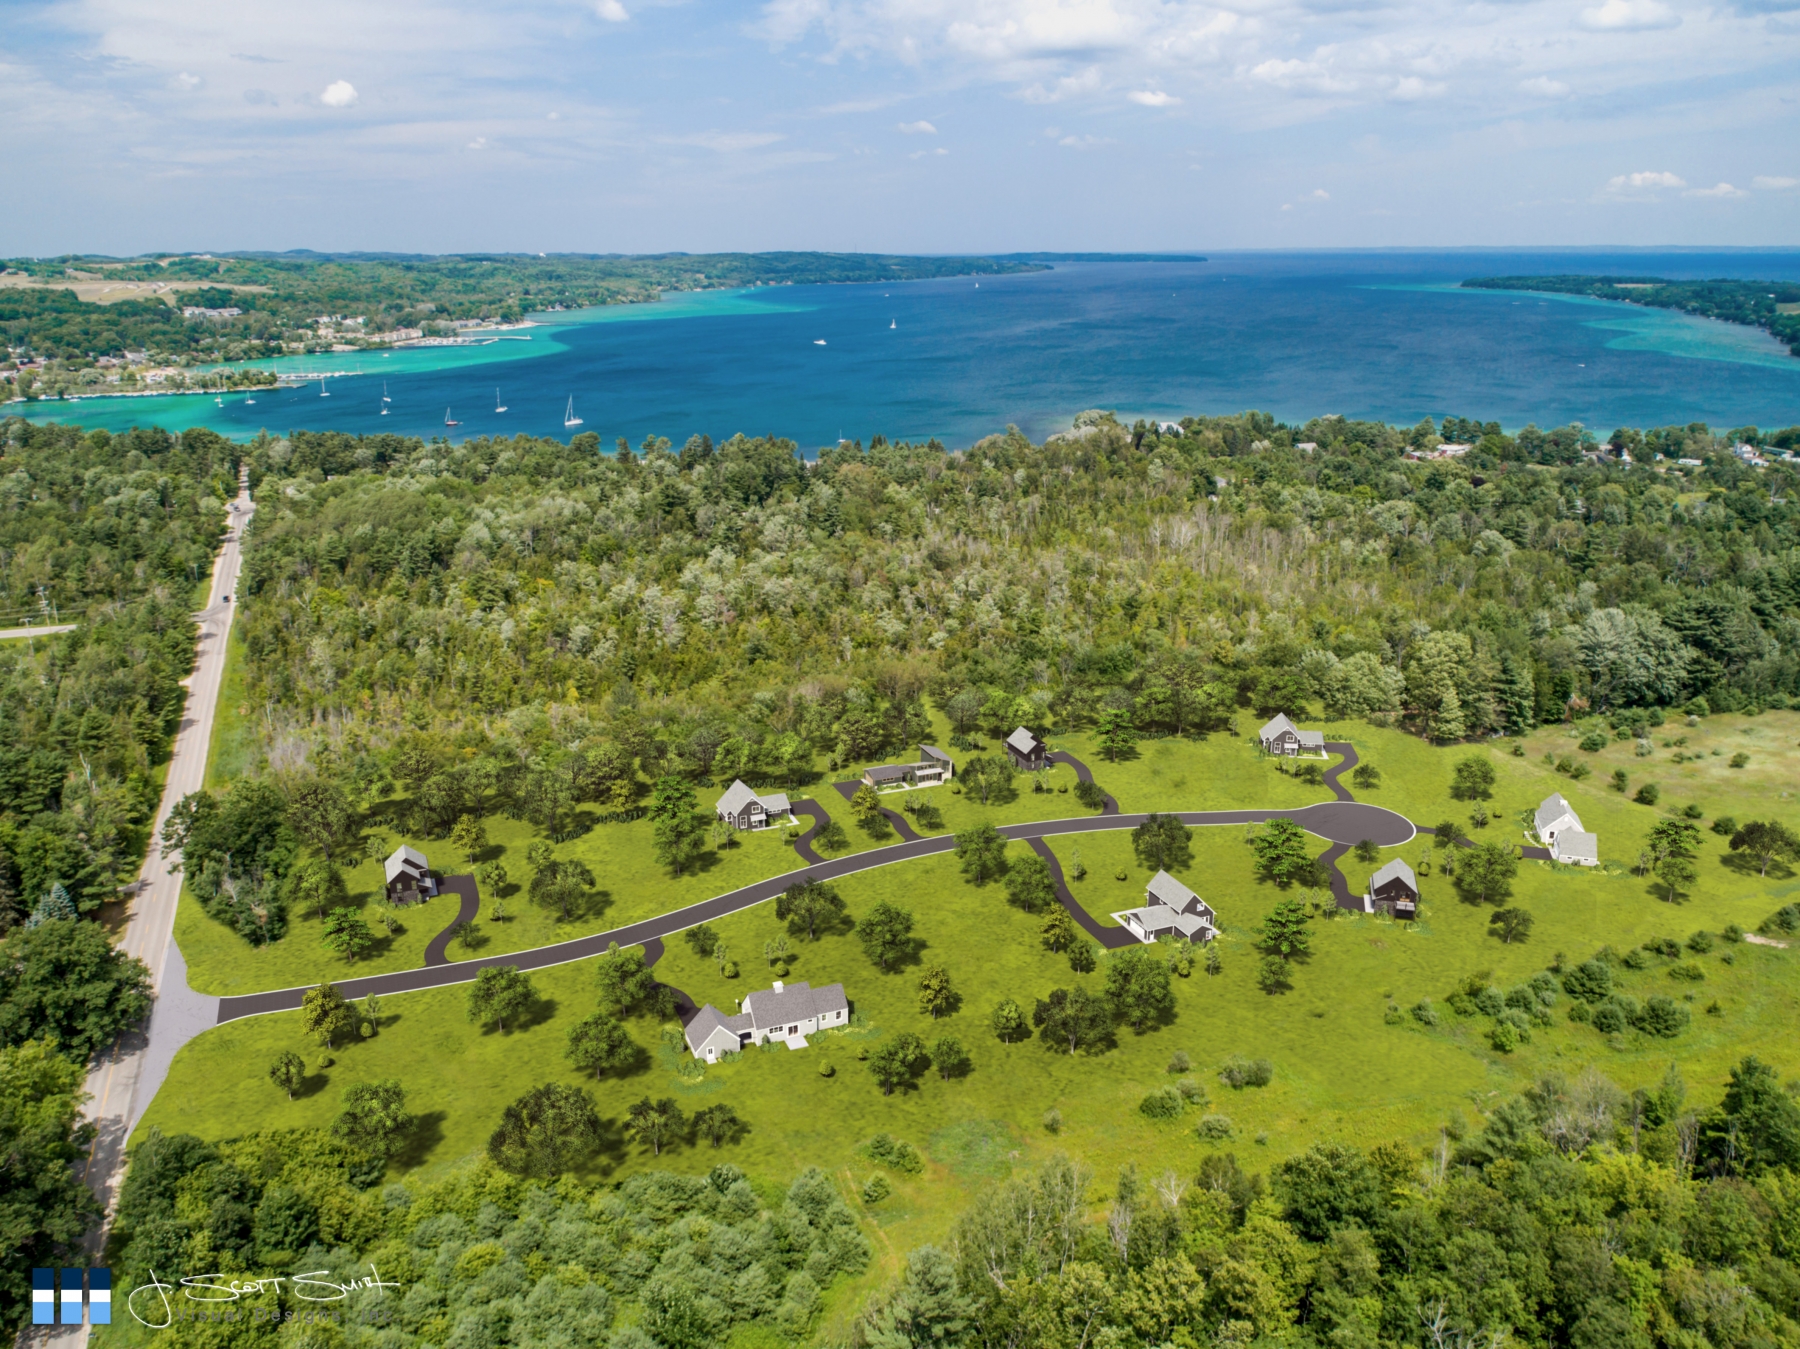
point(1344, 822)
point(48, 630)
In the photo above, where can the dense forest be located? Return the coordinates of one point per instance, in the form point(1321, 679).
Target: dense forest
point(1580, 1215)
point(1774, 305)
point(283, 295)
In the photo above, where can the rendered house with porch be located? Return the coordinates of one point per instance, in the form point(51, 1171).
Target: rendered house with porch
point(1170, 910)
point(1281, 736)
point(408, 876)
point(1559, 829)
point(787, 1013)
point(1026, 751)
point(1393, 890)
point(742, 808)
point(933, 769)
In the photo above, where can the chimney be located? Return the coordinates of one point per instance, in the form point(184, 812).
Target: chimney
point(778, 985)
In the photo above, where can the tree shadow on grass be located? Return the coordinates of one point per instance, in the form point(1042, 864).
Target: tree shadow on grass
point(311, 1085)
point(540, 1011)
point(425, 1135)
point(1743, 864)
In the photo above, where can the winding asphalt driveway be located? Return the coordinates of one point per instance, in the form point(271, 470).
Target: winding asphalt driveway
point(1338, 822)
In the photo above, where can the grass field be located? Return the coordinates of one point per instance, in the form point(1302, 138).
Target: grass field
point(1342, 1069)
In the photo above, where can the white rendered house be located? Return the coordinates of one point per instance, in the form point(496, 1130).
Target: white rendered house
point(786, 1012)
point(1559, 830)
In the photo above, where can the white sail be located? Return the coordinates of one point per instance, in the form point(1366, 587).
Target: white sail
point(569, 417)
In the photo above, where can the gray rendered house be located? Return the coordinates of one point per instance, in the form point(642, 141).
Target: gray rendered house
point(1027, 751)
point(1170, 910)
point(1393, 890)
point(933, 769)
point(742, 808)
point(786, 1012)
point(1281, 736)
point(408, 876)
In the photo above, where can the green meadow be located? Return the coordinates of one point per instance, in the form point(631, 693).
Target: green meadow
point(1349, 1060)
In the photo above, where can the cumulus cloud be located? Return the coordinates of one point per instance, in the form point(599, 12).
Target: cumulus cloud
point(1153, 98)
point(1721, 190)
point(918, 128)
point(1320, 194)
point(1768, 184)
point(1640, 182)
point(1410, 88)
point(1544, 87)
point(612, 11)
point(187, 81)
point(1628, 16)
point(479, 143)
point(338, 94)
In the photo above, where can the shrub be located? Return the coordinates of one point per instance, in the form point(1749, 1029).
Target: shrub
point(1664, 946)
point(1214, 1128)
point(1179, 1062)
point(1165, 1103)
point(1700, 943)
point(1732, 933)
point(1238, 1072)
point(1783, 920)
point(1462, 1004)
point(1609, 1017)
point(1580, 1013)
point(876, 1188)
point(1191, 1091)
point(1090, 795)
point(1725, 825)
point(1647, 795)
point(1663, 1017)
point(1489, 1002)
point(1692, 811)
point(1504, 1037)
point(1424, 1013)
point(1594, 741)
point(1740, 759)
point(1053, 1121)
point(1637, 959)
point(1620, 780)
point(1589, 981)
point(894, 1153)
point(1688, 971)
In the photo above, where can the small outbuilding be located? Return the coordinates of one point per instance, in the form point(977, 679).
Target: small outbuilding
point(1281, 736)
point(1393, 890)
point(408, 876)
point(1026, 751)
point(742, 808)
point(1170, 910)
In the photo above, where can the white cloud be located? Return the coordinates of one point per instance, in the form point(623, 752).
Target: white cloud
point(1083, 142)
point(1410, 88)
point(921, 154)
point(1152, 98)
point(1544, 87)
point(1773, 184)
point(1643, 182)
point(918, 128)
point(479, 143)
point(187, 81)
point(1087, 81)
point(612, 11)
point(1722, 190)
point(1320, 194)
point(1628, 16)
point(338, 94)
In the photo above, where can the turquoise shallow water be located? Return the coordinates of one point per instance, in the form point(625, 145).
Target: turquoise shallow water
point(1385, 335)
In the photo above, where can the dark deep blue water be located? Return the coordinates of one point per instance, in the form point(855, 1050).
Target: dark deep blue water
point(1382, 335)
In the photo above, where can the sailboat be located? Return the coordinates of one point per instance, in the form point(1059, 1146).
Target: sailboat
point(447, 419)
point(323, 391)
point(569, 417)
point(893, 324)
point(818, 341)
point(501, 407)
point(384, 394)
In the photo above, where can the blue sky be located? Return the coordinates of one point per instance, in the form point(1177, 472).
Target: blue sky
point(897, 125)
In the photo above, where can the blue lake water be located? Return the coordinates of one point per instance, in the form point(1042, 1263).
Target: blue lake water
point(1381, 335)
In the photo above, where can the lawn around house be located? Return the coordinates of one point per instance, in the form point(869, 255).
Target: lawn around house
point(1344, 1066)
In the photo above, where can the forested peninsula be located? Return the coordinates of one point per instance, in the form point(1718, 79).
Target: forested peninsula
point(1770, 305)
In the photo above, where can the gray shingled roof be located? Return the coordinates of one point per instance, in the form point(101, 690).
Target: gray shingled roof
point(1157, 918)
point(736, 797)
point(889, 772)
point(1574, 843)
point(410, 858)
point(1165, 889)
point(1311, 739)
point(709, 1019)
point(1023, 741)
point(1276, 726)
point(776, 803)
point(1396, 869)
point(1553, 809)
point(795, 1002)
point(933, 752)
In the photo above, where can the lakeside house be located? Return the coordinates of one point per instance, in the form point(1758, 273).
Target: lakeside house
point(408, 876)
point(742, 808)
point(1026, 751)
point(933, 769)
point(1170, 910)
point(1393, 890)
point(1559, 830)
point(1281, 736)
point(788, 1013)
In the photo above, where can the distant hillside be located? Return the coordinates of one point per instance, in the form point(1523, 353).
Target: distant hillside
point(1772, 305)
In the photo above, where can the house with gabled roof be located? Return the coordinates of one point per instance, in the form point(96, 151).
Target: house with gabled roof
point(1559, 830)
point(1170, 910)
point(786, 1012)
point(408, 876)
point(1026, 751)
point(1281, 736)
point(1393, 890)
point(742, 808)
point(933, 769)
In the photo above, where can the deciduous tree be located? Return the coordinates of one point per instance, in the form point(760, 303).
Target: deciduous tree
point(886, 934)
point(499, 991)
point(982, 852)
point(373, 1118)
point(898, 1062)
point(1073, 1017)
point(547, 1131)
